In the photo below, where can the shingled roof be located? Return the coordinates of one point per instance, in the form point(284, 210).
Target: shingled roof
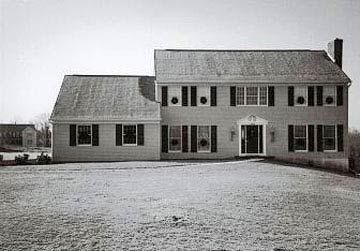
point(267, 66)
point(106, 98)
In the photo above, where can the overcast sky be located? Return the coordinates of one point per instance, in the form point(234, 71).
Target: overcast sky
point(42, 40)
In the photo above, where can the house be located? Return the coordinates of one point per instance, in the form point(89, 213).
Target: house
point(18, 135)
point(213, 104)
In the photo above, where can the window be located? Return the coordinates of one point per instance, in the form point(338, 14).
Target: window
point(252, 95)
point(300, 138)
point(240, 95)
point(175, 138)
point(329, 137)
point(263, 95)
point(29, 142)
point(203, 139)
point(329, 95)
point(174, 96)
point(84, 135)
point(300, 95)
point(129, 135)
point(203, 96)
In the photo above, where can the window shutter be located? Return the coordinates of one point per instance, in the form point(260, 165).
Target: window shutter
point(72, 135)
point(319, 95)
point(184, 95)
point(243, 133)
point(193, 138)
point(311, 96)
point(140, 134)
point(164, 95)
point(291, 138)
point(340, 138)
point(319, 138)
point(164, 139)
point(232, 95)
point(271, 96)
point(340, 95)
point(118, 135)
point(185, 147)
point(214, 138)
point(193, 95)
point(95, 135)
point(261, 150)
point(291, 96)
point(213, 96)
point(311, 135)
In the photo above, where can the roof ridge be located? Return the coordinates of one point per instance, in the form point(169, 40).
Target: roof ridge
point(110, 76)
point(236, 50)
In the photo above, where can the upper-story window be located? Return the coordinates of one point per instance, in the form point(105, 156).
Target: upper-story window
point(251, 95)
point(203, 96)
point(174, 96)
point(329, 95)
point(300, 95)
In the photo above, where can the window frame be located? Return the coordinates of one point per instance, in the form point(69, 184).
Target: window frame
point(334, 95)
point(258, 95)
point(306, 139)
point(335, 139)
point(305, 96)
point(169, 138)
point(171, 91)
point(197, 140)
point(77, 135)
point(123, 134)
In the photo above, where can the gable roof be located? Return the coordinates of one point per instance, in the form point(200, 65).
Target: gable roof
point(244, 66)
point(106, 98)
point(15, 127)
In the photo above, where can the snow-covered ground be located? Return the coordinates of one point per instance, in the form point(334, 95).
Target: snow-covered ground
point(33, 153)
point(245, 205)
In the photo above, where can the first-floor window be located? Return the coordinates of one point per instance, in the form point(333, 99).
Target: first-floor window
point(175, 138)
point(203, 138)
point(329, 137)
point(300, 138)
point(129, 135)
point(84, 135)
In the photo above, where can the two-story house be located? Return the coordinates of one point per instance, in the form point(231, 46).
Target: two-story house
point(215, 104)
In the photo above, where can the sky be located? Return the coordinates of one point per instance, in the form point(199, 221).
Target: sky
point(42, 40)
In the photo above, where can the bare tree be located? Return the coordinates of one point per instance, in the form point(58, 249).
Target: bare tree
point(42, 125)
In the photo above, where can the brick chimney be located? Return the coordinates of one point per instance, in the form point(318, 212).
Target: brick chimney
point(335, 49)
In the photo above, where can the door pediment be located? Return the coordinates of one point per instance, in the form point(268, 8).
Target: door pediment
point(252, 120)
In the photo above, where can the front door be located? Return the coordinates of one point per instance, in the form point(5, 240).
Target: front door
point(252, 139)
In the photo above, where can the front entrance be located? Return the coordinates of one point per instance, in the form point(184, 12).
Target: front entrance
point(252, 140)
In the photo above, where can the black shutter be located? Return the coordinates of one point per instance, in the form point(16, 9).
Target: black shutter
point(340, 95)
point(118, 135)
point(260, 133)
point(311, 135)
point(164, 139)
point(95, 135)
point(340, 138)
point(291, 138)
point(193, 95)
point(213, 96)
point(214, 138)
point(185, 147)
point(164, 96)
point(311, 96)
point(319, 95)
point(140, 134)
point(291, 96)
point(72, 135)
point(184, 96)
point(271, 95)
point(319, 138)
point(243, 132)
point(232, 95)
point(193, 138)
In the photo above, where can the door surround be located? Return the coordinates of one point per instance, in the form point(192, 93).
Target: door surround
point(252, 120)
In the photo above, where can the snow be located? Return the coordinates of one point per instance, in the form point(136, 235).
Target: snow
point(242, 205)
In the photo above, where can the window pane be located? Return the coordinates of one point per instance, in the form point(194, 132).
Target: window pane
point(329, 95)
point(300, 137)
point(203, 96)
point(174, 96)
point(300, 95)
point(300, 144)
point(329, 131)
point(129, 134)
point(240, 96)
point(329, 144)
point(84, 135)
point(300, 131)
point(329, 137)
point(175, 138)
point(251, 95)
point(263, 95)
point(203, 138)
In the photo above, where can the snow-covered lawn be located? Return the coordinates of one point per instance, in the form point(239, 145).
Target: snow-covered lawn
point(245, 205)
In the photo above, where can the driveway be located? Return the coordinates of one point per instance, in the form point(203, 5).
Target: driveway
point(244, 205)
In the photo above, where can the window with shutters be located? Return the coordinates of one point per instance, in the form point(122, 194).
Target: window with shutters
point(174, 96)
point(329, 138)
point(175, 138)
point(203, 96)
point(203, 140)
point(84, 134)
point(129, 135)
point(329, 95)
point(300, 95)
point(300, 138)
point(252, 95)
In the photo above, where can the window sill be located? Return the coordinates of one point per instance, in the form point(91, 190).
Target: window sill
point(171, 151)
point(129, 145)
point(252, 105)
point(330, 151)
point(84, 144)
point(301, 151)
point(204, 151)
